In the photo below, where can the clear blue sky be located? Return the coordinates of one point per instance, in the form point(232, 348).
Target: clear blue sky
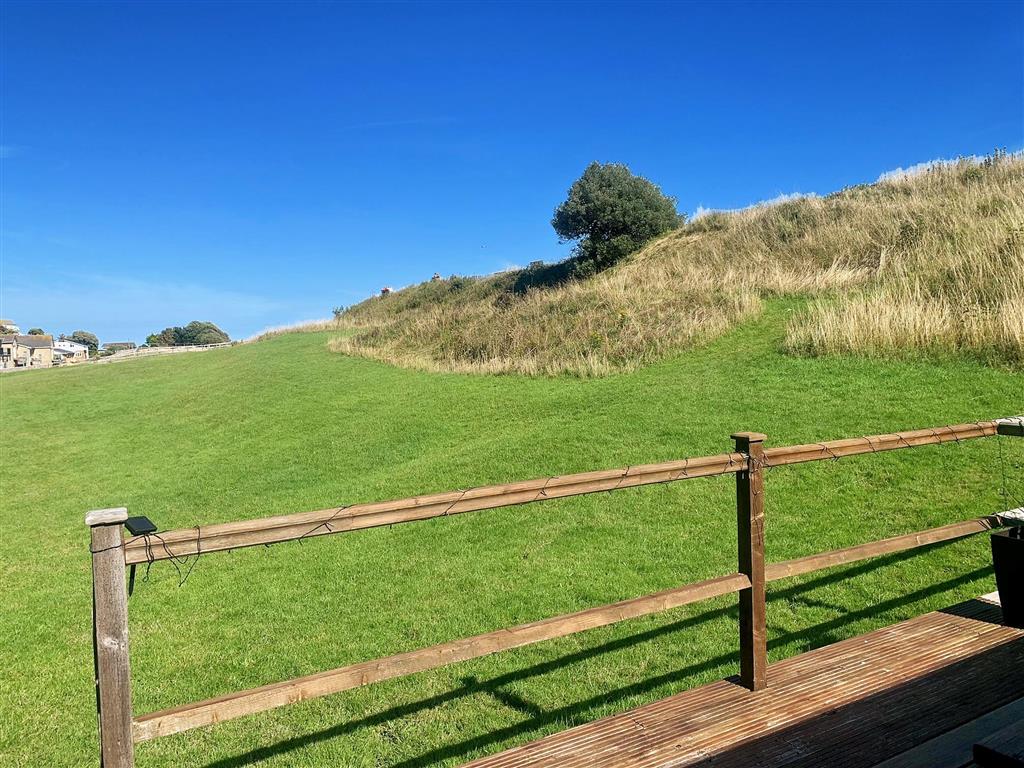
point(256, 164)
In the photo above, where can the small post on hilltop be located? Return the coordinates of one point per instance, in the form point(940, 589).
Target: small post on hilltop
point(750, 525)
point(110, 638)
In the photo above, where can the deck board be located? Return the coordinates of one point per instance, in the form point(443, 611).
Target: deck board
point(955, 748)
point(851, 704)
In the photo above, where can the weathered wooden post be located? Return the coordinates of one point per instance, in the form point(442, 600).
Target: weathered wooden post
point(110, 637)
point(750, 524)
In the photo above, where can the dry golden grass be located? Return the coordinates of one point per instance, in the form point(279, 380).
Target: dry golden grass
point(303, 326)
point(590, 327)
point(950, 280)
point(889, 323)
point(928, 263)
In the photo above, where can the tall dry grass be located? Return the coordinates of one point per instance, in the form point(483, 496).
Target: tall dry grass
point(587, 328)
point(303, 326)
point(927, 262)
point(950, 279)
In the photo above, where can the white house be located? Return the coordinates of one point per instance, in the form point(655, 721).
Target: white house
point(71, 351)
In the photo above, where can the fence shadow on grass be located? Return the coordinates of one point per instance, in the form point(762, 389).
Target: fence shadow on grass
point(815, 636)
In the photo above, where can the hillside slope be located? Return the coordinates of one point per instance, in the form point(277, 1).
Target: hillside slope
point(929, 263)
point(285, 426)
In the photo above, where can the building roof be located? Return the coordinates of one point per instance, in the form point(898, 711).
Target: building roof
point(33, 342)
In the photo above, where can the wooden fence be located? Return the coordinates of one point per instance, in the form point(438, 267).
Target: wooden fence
point(136, 352)
point(111, 552)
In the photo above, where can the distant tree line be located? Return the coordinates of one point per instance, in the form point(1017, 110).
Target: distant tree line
point(196, 332)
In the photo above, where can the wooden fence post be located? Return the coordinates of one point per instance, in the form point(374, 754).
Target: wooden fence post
point(110, 638)
point(750, 525)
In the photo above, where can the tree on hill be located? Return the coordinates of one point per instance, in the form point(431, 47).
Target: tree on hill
point(196, 332)
point(36, 332)
point(205, 333)
point(611, 213)
point(89, 339)
point(165, 338)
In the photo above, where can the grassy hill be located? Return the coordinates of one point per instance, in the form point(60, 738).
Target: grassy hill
point(925, 264)
point(285, 425)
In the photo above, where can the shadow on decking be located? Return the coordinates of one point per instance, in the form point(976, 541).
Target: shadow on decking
point(811, 637)
point(886, 724)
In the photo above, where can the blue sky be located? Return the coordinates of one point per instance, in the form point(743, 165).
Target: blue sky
point(258, 164)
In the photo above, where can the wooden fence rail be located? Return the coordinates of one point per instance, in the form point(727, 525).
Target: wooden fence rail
point(111, 552)
point(273, 530)
point(136, 352)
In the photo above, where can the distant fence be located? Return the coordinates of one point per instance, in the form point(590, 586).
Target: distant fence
point(131, 354)
point(120, 730)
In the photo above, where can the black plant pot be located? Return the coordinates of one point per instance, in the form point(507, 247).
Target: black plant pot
point(1008, 560)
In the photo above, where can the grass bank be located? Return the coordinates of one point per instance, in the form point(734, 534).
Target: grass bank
point(929, 264)
point(284, 426)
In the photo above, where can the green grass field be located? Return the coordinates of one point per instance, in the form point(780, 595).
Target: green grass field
point(285, 425)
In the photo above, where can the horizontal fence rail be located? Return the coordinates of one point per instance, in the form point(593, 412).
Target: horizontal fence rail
point(136, 352)
point(119, 730)
point(272, 530)
point(325, 683)
point(231, 706)
point(890, 546)
point(835, 449)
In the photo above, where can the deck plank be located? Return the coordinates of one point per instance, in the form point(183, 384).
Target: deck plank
point(1002, 749)
point(852, 704)
point(955, 748)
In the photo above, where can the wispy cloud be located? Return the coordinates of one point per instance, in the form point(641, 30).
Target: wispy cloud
point(909, 172)
point(782, 197)
point(9, 150)
point(896, 174)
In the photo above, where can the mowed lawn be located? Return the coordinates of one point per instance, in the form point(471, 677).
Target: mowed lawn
point(287, 426)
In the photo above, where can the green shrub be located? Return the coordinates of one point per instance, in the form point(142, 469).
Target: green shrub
point(195, 333)
point(89, 339)
point(611, 213)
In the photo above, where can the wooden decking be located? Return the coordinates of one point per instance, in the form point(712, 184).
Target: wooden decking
point(855, 703)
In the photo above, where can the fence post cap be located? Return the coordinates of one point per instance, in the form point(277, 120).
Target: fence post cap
point(1014, 426)
point(111, 516)
point(749, 437)
point(1012, 516)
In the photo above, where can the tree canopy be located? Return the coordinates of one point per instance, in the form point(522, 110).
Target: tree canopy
point(89, 339)
point(36, 332)
point(196, 332)
point(612, 212)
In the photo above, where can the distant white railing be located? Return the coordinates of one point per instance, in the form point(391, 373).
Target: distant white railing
point(130, 354)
